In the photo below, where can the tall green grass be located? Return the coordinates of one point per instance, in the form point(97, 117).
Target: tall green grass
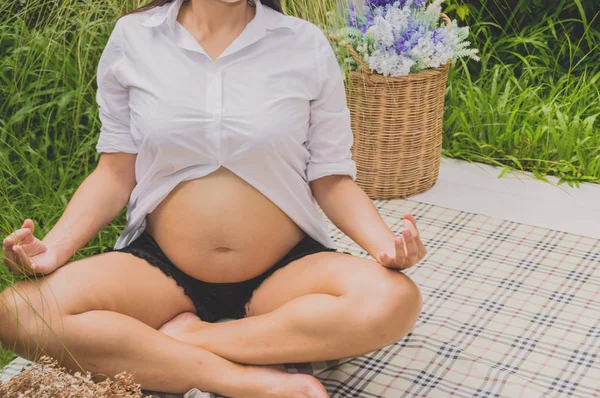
point(532, 102)
point(48, 117)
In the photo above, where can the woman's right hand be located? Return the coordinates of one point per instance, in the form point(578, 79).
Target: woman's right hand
point(26, 254)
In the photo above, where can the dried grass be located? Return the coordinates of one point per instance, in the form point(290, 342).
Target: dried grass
point(46, 379)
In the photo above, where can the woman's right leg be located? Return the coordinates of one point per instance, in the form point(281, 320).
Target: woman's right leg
point(100, 314)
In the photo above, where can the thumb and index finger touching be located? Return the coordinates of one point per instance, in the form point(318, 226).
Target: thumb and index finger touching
point(22, 235)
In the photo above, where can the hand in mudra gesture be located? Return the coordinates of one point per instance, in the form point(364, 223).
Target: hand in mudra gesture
point(23, 253)
point(409, 248)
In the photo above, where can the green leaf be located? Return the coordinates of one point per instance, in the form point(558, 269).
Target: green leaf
point(516, 161)
point(504, 170)
point(462, 12)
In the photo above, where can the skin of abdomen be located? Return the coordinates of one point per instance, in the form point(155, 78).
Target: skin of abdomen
point(220, 229)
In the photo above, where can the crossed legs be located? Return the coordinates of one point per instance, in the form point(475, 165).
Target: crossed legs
point(102, 314)
point(323, 306)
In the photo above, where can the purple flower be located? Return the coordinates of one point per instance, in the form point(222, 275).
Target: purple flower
point(369, 19)
point(380, 3)
point(408, 40)
point(402, 3)
point(436, 36)
point(358, 21)
point(352, 19)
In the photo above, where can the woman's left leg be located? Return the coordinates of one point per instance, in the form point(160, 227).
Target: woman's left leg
point(323, 306)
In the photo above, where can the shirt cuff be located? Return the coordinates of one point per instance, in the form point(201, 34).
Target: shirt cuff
point(318, 170)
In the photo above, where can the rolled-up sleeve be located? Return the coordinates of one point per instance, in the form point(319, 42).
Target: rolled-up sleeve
point(113, 99)
point(330, 135)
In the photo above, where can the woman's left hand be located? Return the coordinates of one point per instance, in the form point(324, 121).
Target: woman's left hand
point(409, 249)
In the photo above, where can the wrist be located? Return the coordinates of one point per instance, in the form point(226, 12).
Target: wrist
point(61, 250)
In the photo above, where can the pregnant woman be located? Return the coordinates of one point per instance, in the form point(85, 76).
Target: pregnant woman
point(224, 128)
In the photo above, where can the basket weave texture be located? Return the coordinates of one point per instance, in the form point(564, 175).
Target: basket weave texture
point(397, 127)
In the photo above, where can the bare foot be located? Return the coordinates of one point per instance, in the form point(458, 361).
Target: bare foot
point(182, 323)
point(263, 381)
point(275, 383)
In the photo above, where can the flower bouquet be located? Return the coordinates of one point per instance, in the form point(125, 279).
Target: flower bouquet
point(397, 54)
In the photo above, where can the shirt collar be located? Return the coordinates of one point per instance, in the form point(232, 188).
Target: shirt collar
point(265, 17)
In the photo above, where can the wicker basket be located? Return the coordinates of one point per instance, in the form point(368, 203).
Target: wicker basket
point(397, 126)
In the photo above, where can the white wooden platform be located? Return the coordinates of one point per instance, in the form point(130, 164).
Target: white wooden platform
point(516, 196)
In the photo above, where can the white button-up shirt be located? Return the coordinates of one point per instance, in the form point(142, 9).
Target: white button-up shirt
point(271, 108)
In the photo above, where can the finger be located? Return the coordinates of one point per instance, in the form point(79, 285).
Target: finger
point(28, 223)
point(407, 236)
point(387, 261)
point(34, 248)
point(422, 250)
point(413, 224)
point(408, 215)
point(384, 259)
point(413, 251)
point(421, 247)
point(22, 259)
point(30, 267)
point(7, 244)
point(9, 257)
point(10, 262)
point(22, 235)
point(400, 252)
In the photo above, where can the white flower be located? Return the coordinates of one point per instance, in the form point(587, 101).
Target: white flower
point(402, 40)
point(390, 64)
point(398, 19)
point(382, 31)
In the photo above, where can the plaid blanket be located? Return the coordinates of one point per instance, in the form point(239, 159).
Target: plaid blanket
point(510, 310)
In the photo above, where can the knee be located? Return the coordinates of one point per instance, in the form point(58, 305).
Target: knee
point(390, 306)
point(22, 319)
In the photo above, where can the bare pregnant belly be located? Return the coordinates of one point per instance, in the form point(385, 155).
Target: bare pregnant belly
point(218, 228)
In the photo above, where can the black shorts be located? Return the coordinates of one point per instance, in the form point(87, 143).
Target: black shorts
point(214, 301)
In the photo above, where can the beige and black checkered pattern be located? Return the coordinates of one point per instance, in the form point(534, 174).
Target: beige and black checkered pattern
point(510, 310)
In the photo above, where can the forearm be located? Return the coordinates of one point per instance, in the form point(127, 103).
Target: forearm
point(97, 201)
point(352, 211)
